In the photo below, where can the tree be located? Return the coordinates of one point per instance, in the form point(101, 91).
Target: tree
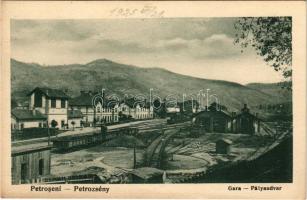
point(73, 125)
point(54, 123)
point(271, 38)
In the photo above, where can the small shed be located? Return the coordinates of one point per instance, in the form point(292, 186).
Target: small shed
point(147, 175)
point(223, 146)
point(30, 163)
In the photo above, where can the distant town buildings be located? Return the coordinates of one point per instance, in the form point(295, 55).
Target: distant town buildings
point(137, 109)
point(92, 114)
point(54, 108)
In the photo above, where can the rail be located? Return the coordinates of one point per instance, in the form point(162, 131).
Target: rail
point(154, 152)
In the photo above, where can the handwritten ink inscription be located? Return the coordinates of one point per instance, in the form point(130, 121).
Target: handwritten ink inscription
point(146, 11)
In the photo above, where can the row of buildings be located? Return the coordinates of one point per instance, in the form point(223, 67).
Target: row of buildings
point(53, 107)
point(214, 119)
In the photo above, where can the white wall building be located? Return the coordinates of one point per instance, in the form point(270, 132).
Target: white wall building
point(21, 118)
point(76, 117)
point(51, 102)
point(137, 109)
point(92, 114)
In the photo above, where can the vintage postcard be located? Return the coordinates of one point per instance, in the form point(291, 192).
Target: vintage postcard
point(153, 99)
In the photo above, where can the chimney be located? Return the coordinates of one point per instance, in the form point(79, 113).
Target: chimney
point(245, 109)
point(103, 93)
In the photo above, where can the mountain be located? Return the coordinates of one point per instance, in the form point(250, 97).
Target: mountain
point(124, 79)
point(273, 89)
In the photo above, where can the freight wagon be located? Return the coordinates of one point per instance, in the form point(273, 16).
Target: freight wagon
point(69, 142)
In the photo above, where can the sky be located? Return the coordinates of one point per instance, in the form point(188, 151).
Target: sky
point(199, 47)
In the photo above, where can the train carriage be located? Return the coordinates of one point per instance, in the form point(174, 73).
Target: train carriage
point(64, 143)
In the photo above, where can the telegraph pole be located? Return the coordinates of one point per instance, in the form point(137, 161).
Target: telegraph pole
point(134, 157)
point(48, 133)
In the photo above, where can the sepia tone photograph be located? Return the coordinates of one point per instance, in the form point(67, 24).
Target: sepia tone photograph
point(172, 100)
point(149, 100)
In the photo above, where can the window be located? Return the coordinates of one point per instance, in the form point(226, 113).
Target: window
point(63, 103)
point(40, 124)
point(38, 100)
point(41, 167)
point(22, 126)
point(62, 123)
point(53, 103)
point(23, 172)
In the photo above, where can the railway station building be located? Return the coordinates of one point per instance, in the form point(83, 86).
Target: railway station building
point(103, 110)
point(137, 109)
point(51, 102)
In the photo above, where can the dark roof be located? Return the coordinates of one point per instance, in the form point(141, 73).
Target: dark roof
point(147, 172)
point(67, 138)
point(22, 114)
point(212, 113)
point(23, 149)
point(86, 99)
point(247, 114)
point(110, 103)
point(225, 141)
point(74, 114)
point(132, 103)
point(189, 102)
point(51, 93)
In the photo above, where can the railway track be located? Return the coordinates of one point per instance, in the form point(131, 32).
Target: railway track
point(141, 125)
point(154, 152)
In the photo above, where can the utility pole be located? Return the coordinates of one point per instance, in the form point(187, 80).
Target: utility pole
point(134, 157)
point(48, 133)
